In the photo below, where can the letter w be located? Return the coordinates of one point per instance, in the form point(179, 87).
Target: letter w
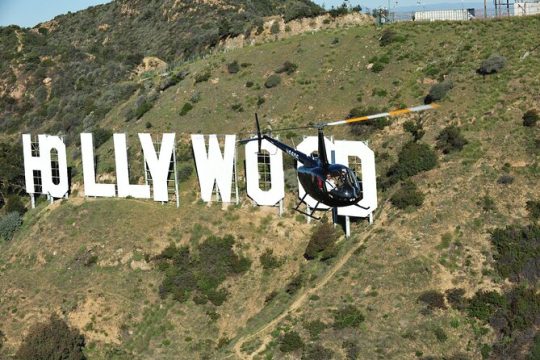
point(213, 167)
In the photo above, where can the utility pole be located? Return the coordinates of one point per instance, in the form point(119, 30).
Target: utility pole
point(485, 9)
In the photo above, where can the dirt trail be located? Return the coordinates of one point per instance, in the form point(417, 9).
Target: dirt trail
point(300, 300)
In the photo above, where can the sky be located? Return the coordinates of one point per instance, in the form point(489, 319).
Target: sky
point(27, 13)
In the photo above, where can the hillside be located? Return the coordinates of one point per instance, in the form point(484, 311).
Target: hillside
point(440, 279)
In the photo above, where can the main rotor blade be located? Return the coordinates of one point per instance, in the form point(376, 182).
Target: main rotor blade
point(386, 114)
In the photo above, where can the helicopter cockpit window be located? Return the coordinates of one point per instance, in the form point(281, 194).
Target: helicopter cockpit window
point(338, 179)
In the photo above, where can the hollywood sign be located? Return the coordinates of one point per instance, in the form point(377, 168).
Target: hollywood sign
point(215, 169)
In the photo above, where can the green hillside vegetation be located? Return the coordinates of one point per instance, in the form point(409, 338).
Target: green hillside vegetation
point(453, 276)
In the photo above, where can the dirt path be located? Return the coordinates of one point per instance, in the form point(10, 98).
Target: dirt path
point(299, 301)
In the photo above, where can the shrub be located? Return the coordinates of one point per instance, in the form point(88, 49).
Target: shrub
point(272, 81)
point(294, 285)
point(186, 108)
point(249, 84)
point(237, 107)
point(450, 140)
point(101, 136)
point(484, 304)
point(203, 76)
point(348, 316)
point(290, 341)
point(172, 80)
point(530, 118)
point(301, 10)
point(268, 260)
point(184, 172)
point(440, 334)
point(505, 180)
point(317, 352)
point(322, 242)
point(275, 28)
point(389, 36)
point(315, 328)
point(352, 350)
point(201, 275)
point(9, 224)
point(52, 340)
point(233, 67)
point(412, 159)
point(364, 127)
point(487, 203)
point(533, 207)
point(518, 249)
point(438, 91)
point(195, 97)
point(492, 65)
point(415, 128)
point(433, 299)
point(455, 298)
point(14, 204)
point(377, 67)
point(407, 196)
point(287, 67)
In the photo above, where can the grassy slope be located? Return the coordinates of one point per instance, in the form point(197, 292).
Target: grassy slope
point(403, 257)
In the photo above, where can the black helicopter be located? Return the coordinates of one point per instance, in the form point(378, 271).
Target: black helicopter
point(334, 185)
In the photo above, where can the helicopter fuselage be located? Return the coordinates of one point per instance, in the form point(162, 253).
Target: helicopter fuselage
point(334, 185)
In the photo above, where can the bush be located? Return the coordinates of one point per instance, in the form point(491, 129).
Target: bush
point(317, 352)
point(185, 109)
point(184, 172)
point(484, 304)
point(290, 341)
point(233, 67)
point(294, 285)
point(518, 250)
point(407, 196)
point(438, 91)
point(300, 10)
point(352, 350)
point(322, 242)
point(52, 340)
point(200, 275)
point(533, 207)
point(505, 180)
point(530, 118)
point(433, 299)
point(492, 65)
point(450, 140)
point(440, 334)
point(487, 203)
point(101, 136)
point(389, 36)
point(272, 81)
point(315, 328)
point(172, 80)
point(268, 260)
point(287, 67)
point(237, 107)
point(377, 67)
point(362, 128)
point(203, 76)
point(14, 204)
point(412, 159)
point(275, 28)
point(348, 317)
point(415, 128)
point(9, 224)
point(455, 298)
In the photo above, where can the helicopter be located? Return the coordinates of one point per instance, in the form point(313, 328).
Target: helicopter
point(334, 185)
